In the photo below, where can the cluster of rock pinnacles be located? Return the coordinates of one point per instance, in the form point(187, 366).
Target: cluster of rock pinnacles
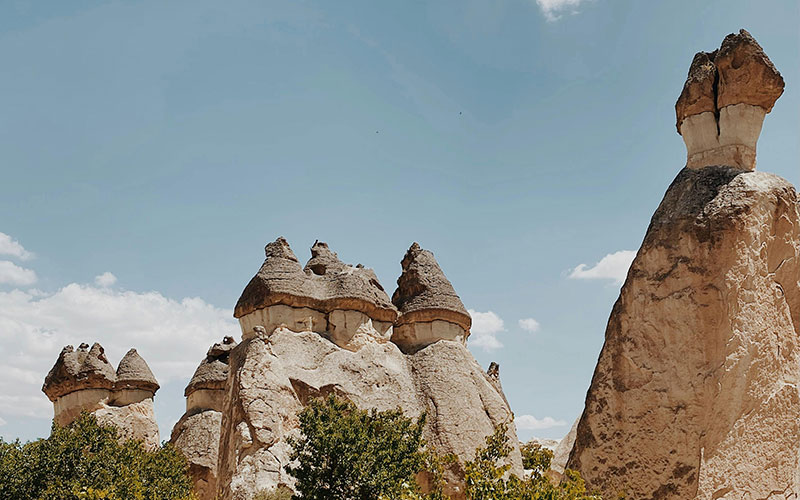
point(695, 394)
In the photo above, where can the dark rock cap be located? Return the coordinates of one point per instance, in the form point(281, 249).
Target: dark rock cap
point(425, 294)
point(82, 369)
point(133, 373)
point(213, 370)
point(326, 284)
point(738, 72)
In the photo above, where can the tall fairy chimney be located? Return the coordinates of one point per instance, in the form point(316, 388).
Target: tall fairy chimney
point(727, 94)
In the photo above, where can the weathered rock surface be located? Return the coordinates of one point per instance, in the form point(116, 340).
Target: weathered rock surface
point(274, 376)
point(695, 394)
point(196, 434)
point(325, 285)
point(79, 369)
point(723, 103)
point(429, 307)
point(84, 380)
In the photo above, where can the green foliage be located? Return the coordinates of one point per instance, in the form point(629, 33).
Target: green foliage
point(536, 458)
point(346, 453)
point(87, 461)
point(487, 475)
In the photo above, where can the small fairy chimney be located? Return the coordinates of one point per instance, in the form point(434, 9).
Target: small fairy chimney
point(430, 309)
point(84, 380)
point(727, 94)
point(81, 379)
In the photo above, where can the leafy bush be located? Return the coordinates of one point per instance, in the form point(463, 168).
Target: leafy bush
point(350, 454)
point(85, 460)
point(487, 475)
point(279, 493)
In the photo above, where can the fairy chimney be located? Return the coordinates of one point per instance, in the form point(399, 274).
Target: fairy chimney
point(327, 296)
point(84, 380)
point(430, 309)
point(727, 94)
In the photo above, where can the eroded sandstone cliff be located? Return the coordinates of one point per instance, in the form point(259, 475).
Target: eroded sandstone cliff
point(695, 394)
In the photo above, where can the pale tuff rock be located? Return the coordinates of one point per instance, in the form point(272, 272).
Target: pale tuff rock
point(561, 452)
point(723, 103)
point(84, 380)
point(295, 349)
point(429, 307)
point(695, 394)
point(463, 405)
point(196, 434)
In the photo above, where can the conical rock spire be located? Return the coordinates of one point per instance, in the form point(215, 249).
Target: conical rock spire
point(425, 294)
point(133, 373)
point(83, 368)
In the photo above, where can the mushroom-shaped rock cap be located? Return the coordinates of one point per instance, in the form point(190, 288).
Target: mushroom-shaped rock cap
point(133, 373)
point(739, 72)
point(425, 294)
point(326, 284)
point(213, 370)
point(74, 370)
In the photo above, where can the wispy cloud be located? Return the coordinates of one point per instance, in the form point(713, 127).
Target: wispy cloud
point(531, 423)
point(12, 274)
point(12, 247)
point(613, 266)
point(529, 325)
point(105, 280)
point(553, 10)
point(485, 327)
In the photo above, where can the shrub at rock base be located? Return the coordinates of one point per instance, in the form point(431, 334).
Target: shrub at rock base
point(85, 460)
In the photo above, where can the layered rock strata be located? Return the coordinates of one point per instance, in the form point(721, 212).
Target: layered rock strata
point(334, 335)
point(196, 434)
point(84, 380)
point(430, 309)
point(724, 101)
point(695, 394)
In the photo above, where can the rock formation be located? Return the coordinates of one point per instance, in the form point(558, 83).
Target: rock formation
point(84, 380)
point(196, 434)
point(329, 328)
point(726, 96)
point(695, 394)
point(429, 308)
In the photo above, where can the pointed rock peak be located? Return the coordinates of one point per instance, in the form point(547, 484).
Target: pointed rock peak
point(279, 277)
point(74, 370)
point(133, 373)
point(424, 293)
point(280, 249)
point(323, 260)
point(724, 100)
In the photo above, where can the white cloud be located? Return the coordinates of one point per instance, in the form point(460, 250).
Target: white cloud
point(10, 246)
point(171, 335)
point(529, 325)
point(531, 423)
point(554, 9)
point(485, 327)
point(2, 422)
point(12, 274)
point(105, 280)
point(613, 266)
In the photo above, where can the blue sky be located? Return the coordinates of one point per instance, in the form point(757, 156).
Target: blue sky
point(166, 143)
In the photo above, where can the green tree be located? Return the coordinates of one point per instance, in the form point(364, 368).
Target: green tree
point(85, 460)
point(346, 453)
point(488, 478)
